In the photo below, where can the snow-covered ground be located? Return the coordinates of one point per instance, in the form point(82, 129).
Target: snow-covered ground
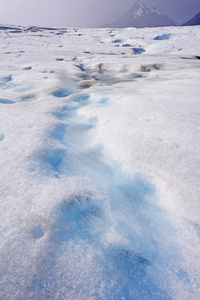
point(100, 163)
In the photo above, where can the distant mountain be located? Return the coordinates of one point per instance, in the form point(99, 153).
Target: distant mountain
point(139, 16)
point(194, 21)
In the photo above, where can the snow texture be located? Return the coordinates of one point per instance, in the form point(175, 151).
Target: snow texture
point(99, 163)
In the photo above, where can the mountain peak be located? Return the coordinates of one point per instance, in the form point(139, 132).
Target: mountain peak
point(139, 15)
point(139, 4)
point(193, 21)
point(138, 9)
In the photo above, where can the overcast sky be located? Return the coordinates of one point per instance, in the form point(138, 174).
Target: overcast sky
point(85, 13)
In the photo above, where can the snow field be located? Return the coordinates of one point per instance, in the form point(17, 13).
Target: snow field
point(99, 159)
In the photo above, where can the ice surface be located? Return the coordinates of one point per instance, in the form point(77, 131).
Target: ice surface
point(138, 50)
point(165, 36)
point(99, 163)
point(117, 41)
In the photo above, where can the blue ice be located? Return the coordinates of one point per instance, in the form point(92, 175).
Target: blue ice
point(165, 36)
point(138, 50)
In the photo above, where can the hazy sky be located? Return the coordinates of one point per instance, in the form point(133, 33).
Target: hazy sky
point(85, 13)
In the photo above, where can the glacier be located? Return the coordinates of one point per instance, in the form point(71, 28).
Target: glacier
point(99, 147)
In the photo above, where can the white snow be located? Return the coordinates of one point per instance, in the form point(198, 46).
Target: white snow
point(138, 12)
point(100, 159)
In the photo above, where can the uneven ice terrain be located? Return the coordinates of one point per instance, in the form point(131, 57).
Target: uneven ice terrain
point(99, 147)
